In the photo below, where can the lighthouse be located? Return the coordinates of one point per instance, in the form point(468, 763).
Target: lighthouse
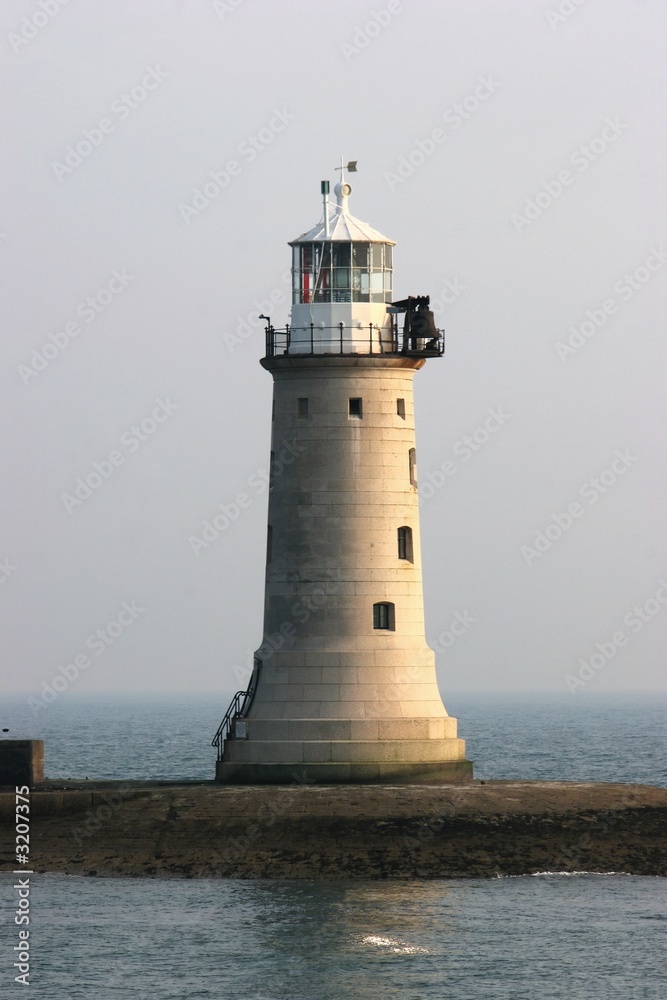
point(343, 687)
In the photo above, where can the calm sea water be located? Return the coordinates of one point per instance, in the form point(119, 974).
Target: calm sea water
point(541, 937)
point(557, 737)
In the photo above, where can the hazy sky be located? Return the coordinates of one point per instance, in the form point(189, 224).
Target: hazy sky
point(514, 149)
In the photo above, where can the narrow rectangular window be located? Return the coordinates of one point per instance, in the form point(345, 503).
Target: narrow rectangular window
point(271, 468)
point(302, 404)
point(405, 543)
point(356, 407)
point(269, 544)
point(412, 461)
point(400, 408)
point(383, 616)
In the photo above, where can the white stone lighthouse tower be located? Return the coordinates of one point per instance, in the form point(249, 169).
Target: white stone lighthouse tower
point(344, 686)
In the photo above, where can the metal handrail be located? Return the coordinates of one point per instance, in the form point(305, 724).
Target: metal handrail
point(281, 341)
point(239, 706)
point(232, 713)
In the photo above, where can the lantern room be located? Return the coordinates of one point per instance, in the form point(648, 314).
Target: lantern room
point(341, 272)
point(342, 291)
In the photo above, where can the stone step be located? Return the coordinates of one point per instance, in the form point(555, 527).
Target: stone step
point(351, 729)
point(343, 751)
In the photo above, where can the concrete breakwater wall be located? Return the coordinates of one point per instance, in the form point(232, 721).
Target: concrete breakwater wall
point(362, 831)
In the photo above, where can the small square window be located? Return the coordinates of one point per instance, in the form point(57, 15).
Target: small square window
point(356, 407)
point(400, 408)
point(302, 406)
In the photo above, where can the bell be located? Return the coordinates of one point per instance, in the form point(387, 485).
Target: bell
point(422, 326)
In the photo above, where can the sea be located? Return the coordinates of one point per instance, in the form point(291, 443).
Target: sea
point(549, 936)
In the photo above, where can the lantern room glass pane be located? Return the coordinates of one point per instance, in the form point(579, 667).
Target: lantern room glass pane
point(376, 254)
point(341, 277)
point(306, 286)
point(323, 290)
point(360, 281)
point(360, 254)
point(341, 254)
point(377, 286)
point(306, 255)
point(360, 285)
point(323, 277)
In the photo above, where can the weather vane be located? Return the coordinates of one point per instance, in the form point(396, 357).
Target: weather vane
point(351, 167)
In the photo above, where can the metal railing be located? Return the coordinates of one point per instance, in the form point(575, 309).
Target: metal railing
point(238, 707)
point(314, 340)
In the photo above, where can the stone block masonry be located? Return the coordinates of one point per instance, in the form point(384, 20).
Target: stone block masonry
point(336, 552)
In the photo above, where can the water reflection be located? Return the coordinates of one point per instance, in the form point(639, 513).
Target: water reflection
point(374, 939)
point(493, 939)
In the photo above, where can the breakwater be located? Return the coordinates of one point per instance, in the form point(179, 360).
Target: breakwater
point(481, 829)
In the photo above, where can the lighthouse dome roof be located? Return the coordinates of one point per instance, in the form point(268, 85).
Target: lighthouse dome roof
point(342, 225)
